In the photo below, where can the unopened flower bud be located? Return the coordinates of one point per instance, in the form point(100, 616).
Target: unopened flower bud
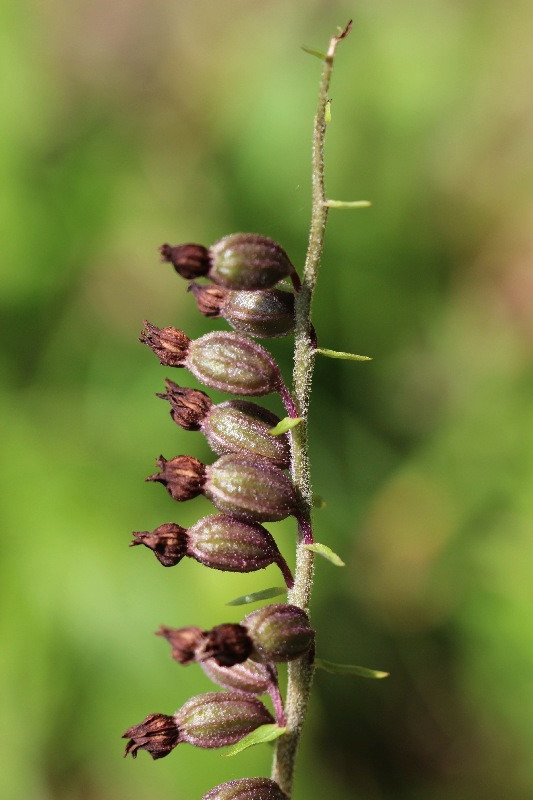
point(250, 488)
point(237, 261)
point(249, 676)
point(158, 734)
point(182, 476)
point(236, 426)
point(265, 313)
point(219, 541)
point(218, 719)
point(229, 362)
point(280, 632)
point(247, 789)
point(184, 642)
point(168, 541)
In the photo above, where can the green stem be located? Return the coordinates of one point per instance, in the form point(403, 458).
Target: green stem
point(300, 672)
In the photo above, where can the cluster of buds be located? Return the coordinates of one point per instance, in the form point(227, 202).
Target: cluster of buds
point(248, 484)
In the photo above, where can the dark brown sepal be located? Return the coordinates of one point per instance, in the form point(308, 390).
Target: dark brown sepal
point(158, 734)
point(189, 407)
point(182, 476)
point(168, 542)
point(170, 345)
point(227, 644)
point(184, 642)
point(209, 298)
point(189, 260)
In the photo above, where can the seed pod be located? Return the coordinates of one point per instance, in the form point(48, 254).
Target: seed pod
point(246, 789)
point(232, 363)
point(223, 542)
point(236, 426)
point(265, 313)
point(237, 261)
point(218, 719)
point(250, 488)
point(219, 541)
point(229, 362)
point(249, 676)
point(280, 632)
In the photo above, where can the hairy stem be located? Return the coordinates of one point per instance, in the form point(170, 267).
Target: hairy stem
point(300, 672)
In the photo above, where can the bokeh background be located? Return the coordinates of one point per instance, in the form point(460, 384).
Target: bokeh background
point(134, 122)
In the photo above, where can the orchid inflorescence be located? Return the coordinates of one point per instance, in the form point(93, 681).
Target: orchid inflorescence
point(248, 484)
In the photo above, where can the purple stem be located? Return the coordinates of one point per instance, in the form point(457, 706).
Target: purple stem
point(288, 402)
point(296, 282)
point(284, 567)
point(275, 694)
point(305, 530)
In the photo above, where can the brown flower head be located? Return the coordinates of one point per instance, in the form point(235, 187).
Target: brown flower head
point(227, 644)
point(184, 642)
point(182, 476)
point(168, 541)
point(189, 407)
point(169, 344)
point(158, 734)
point(189, 260)
point(210, 298)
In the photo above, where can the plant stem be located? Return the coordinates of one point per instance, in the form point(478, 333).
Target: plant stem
point(300, 672)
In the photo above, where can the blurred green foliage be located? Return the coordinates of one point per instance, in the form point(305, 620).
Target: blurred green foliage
point(126, 124)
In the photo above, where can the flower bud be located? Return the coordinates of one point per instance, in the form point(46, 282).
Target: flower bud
point(182, 476)
point(218, 719)
point(158, 734)
point(247, 789)
point(265, 313)
point(219, 541)
point(236, 426)
point(237, 261)
point(229, 362)
point(250, 488)
point(280, 632)
point(184, 642)
point(249, 676)
point(168, 541)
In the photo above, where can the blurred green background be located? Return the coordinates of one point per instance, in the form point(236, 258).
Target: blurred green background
point(129, 123)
